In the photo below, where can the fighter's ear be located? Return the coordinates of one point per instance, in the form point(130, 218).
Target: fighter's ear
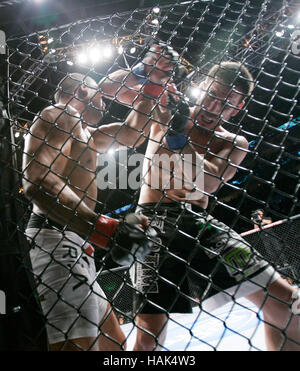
point(82, 92)
point(239, 107)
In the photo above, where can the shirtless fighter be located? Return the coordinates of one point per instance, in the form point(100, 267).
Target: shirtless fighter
point(59, 166)
point(228, 268)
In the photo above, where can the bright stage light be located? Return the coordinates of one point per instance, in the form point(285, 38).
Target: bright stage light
point(107, 51)
point(195, 92)
point(81, 58)
point(279, 33)
point(94, 54)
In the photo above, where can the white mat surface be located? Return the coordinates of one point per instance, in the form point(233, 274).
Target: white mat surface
point(230, 328)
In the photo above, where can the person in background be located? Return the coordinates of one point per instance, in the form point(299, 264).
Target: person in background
point(259, 219)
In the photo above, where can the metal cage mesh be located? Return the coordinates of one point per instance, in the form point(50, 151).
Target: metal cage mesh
point(262, 35)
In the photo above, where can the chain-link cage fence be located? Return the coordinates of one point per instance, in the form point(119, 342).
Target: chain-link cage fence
point(118, 287)
point(277, 244)
point(86, 108)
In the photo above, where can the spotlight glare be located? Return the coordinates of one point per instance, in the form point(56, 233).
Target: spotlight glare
point(81, 58)
point(132, 50)
point(94, 54)
point(279, 33)
point(107, 51)
point(156, 10)
point(195, 92)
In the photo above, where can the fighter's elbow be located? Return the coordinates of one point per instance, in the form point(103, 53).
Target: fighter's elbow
point(215, 180)
point(29, 188)
point(229, 173)
point(33, 186)
point(41, 193)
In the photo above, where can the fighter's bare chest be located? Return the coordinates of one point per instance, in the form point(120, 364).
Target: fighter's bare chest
point(207, 144)
point(204, 142)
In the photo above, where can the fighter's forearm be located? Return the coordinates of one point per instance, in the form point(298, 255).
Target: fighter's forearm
point(58, 202)
point(137, 126)
point(121, 86)
point(67, 209)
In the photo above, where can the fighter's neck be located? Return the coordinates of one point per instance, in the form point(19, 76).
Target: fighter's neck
point(73, 104)
point(196, 127)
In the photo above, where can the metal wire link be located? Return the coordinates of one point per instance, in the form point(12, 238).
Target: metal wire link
point(94, 63)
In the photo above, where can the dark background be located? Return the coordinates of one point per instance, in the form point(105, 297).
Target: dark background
point(203, 32)
point(269, 176)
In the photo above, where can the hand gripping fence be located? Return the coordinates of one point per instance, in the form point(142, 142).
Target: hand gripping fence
point(92, 130)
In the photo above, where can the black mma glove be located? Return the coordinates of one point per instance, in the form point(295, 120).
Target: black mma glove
point(176, 136)
point(131, 242)
point(126, 240)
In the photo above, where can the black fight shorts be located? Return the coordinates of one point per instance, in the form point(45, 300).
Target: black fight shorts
point(195, 250)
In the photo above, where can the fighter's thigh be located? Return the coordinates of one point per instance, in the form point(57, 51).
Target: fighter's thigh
point(80, 344)
point(151, 326)
point(275, 301)
point(112, 337)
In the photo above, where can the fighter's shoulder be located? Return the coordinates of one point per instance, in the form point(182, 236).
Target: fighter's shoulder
point(57, 116)
point(241, 141)
point(233, 139)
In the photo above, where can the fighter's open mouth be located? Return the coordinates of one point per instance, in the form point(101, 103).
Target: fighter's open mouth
point(207, 119)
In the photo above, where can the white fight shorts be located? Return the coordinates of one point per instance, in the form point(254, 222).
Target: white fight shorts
point(64, 270)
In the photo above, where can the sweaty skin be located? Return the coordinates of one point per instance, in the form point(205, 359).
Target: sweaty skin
point(60, 155)
point(223, 151)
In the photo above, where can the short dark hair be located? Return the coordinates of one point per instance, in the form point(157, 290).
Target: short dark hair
point(233, 73)
point(259, 210)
